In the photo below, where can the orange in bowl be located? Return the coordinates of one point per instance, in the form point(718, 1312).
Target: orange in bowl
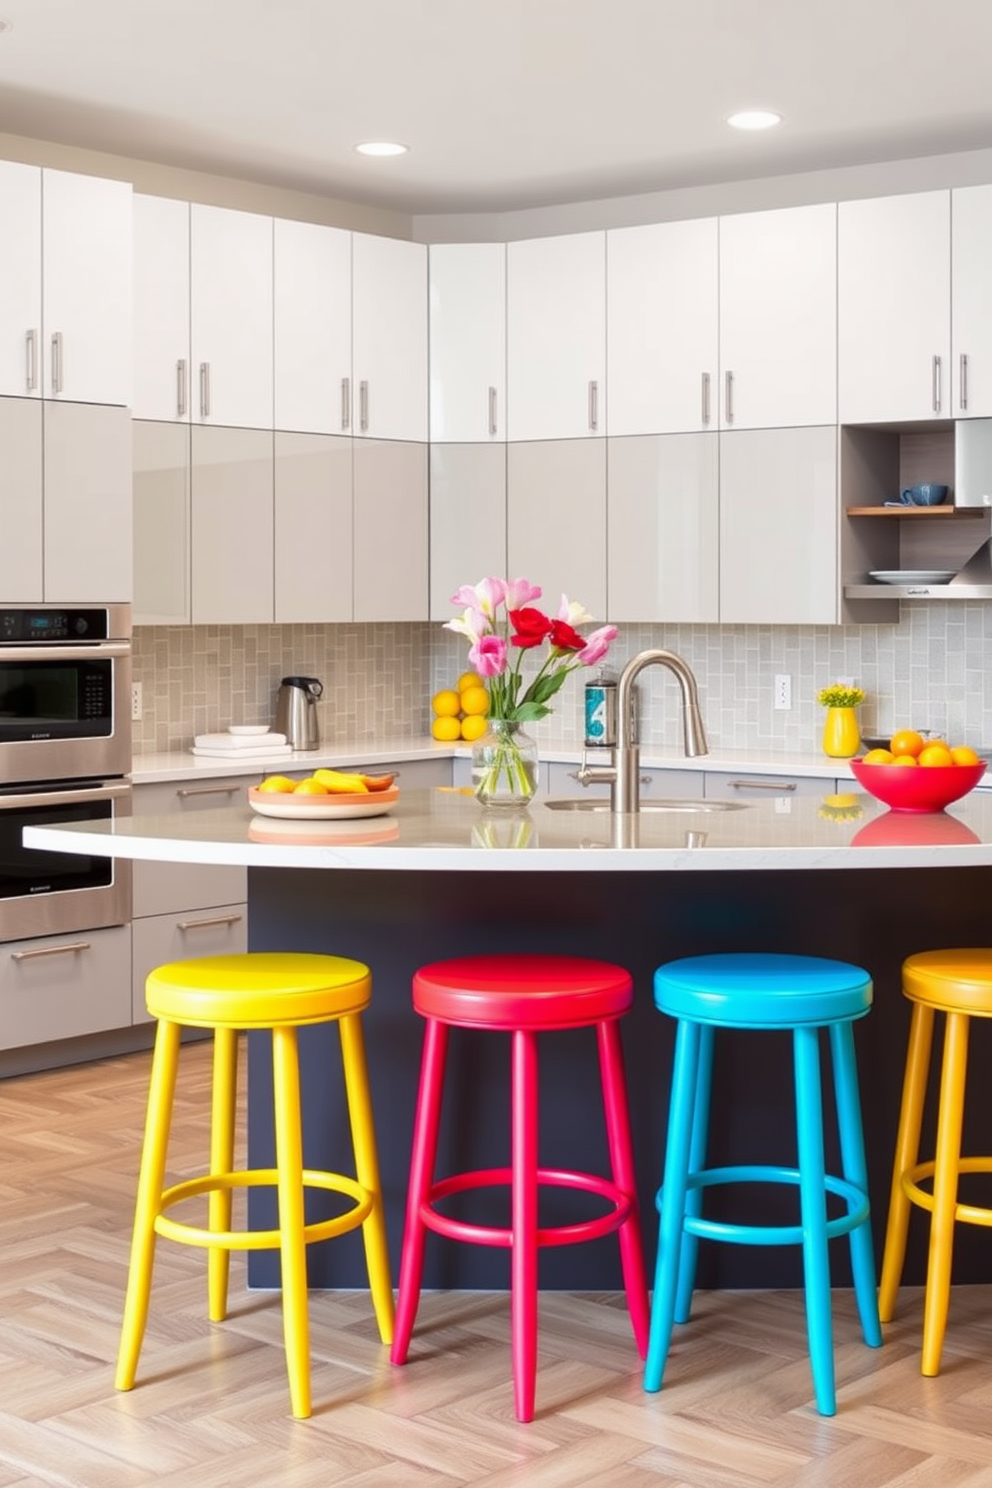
point(924, 788)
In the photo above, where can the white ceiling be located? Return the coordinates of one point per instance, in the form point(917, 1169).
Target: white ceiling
point(505, 104)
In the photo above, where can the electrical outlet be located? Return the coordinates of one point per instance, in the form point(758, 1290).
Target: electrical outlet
point(135, 701)
point(783, 691)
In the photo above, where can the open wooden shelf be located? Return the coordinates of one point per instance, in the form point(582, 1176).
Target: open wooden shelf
point(916, 511)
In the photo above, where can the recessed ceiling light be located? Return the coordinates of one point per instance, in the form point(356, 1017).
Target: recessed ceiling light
point(754, 119)
point(381, 147)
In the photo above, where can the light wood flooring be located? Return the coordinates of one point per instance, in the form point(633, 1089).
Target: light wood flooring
point(211, 1407)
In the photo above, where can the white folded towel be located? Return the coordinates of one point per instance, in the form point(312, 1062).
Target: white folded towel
point(235, 743)
point(246, 755)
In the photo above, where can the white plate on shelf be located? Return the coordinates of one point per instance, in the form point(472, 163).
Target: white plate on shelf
point(322, 808)
point(913, 575)
point(247, 728)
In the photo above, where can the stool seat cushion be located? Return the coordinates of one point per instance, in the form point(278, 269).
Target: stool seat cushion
point(520, 991)
point(759, 990)
point(956, 980)
point(257, 989)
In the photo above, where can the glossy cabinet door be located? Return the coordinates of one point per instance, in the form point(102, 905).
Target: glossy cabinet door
point(21, 501)
point(467, 323)
point(20, 280)
point(779, 527)
point(313, 527)
point(161, 523)
point(468, 519)
point(662, 328)
point(86, 279)
point(894, 308)
point(778, 318)
point(971, 302)
point(390, 541)
point(231, 317)
point(231, 527)
point(162, 387)
point(663, 528)
point(88, 503)
point(556, 519)
point(556, 337)
point(64, 986)
point(389, 338)
point(312, 320)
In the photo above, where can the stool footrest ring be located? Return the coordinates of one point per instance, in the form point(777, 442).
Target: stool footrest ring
point(324, 1229)
point(966, 1213)
point(476, 1234)
point(741, 1234)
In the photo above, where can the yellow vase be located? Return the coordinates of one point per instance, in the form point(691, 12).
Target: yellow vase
point(841, 737)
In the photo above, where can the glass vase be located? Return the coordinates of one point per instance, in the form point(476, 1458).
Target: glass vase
point(841, 737)
point(504, 765)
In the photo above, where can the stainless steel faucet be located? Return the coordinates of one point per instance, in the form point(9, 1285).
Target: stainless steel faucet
point(624, 775)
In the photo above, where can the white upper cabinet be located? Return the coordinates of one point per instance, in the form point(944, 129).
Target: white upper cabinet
point(20, 280)
point(556, 519)
point(662, 333)
point(231, 317)
point(312, 316)
point(467, 342)
point(971, 302)
point(88, 503)
point(556, 337)
point(162, 389)
point(894, 308)
point(778, 318)
point(389, 339)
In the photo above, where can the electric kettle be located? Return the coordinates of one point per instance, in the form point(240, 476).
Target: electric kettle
point(296, 711)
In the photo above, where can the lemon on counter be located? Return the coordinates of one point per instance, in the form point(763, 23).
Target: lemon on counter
point(446, 704)
point(446, 729)
point(475, 700)
point(474, 725)
point(469, 679)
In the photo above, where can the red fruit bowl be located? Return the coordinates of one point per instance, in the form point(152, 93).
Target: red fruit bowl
point(917, 787)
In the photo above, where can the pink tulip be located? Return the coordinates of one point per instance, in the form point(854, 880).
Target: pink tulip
point(573, 613)
point(597, 644)
point(487, 595)
point(472, 624)
point(488, 656)
point(520, 592)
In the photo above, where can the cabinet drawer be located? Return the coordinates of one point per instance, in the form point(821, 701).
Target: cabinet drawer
point(63, 986)
point(160, 938)
point(741, 785)
point(166, 888)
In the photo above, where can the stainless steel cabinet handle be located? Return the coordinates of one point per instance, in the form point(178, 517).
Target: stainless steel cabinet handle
point(88, 651)
point(57, 362)
point(963, 382)
point(492, 410)
point(936, 384)
point(363, 406)
point(207, 790)
point(780, 787)
point(706, 398)
point(204, 389)
point(62, 950)
point(594, 405)
point(728, 398)
point(346, 402)
point(181, 388)
point(234, 919)
point(66, 796)
point(31, 356)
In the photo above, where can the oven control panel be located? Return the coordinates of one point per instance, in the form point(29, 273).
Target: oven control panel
point(27, 625)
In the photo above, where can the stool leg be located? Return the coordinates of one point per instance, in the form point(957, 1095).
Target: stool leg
point(356, 1080)
point(950, 1113)
point(852, 1147)
point(617, 1115)
point(523, 1255)
point(813, 1199)
point(425, 1132)
point(907, 1155)
point(292, 1246)
point(697, 1161)
point(222, 1119)
point(151, 1181)
point(671, 1201)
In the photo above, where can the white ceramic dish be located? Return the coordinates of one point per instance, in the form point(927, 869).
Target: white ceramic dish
point(913, 575)
point(322, 808)
point(247, 728)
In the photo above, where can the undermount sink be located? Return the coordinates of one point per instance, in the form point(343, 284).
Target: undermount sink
point(602, 803)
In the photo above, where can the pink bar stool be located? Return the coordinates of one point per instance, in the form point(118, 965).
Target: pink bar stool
point(521, 995)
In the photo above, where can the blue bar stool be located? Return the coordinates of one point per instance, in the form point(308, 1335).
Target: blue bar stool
point(763, 992)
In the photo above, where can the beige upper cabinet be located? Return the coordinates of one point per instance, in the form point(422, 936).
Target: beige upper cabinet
point(662, 328)
point(20, 280)
point(389, 339)
point(971, 302)
point(21, 501)
point(313, 527)
point(87, 458)
point(161, 522)
point(556, 337)
point(162, 387)
point(231, 503)
point(894, 308)
point(312, 320)
point(231, 317)
point(467, 519)
point(778, 318)
point(467, 322)
point(390, 532)
point(556, 519)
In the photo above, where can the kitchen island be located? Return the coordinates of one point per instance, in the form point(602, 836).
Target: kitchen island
point(438, 877)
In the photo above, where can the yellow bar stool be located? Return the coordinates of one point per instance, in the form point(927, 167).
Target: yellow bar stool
point(957, 983)
point(230, 994)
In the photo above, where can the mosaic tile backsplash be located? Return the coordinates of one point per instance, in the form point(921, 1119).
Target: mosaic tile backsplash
point(932, 670)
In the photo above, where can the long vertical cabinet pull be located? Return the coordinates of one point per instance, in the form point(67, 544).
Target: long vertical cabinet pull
point(181, 393)
point(728, 396)
point(492, 410)
point(57, 367)
point(705, 411)
point(346, 403)
point(594, 406)
point(963, 382)
point(204, 389)
point(363, 406)
point(935, 383)
point(31, 360)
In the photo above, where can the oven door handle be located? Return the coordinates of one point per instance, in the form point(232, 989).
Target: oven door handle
point(75, 651)
point(28, 799)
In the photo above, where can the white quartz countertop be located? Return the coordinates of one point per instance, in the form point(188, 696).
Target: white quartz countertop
point(446, 829)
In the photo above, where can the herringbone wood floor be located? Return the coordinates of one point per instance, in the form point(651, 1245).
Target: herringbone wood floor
point(211, 1409)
